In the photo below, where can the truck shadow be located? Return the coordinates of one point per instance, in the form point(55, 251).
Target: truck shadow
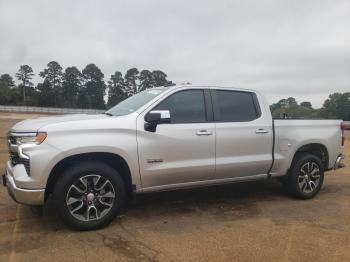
point(219, 200)
point(213, 196)
point(224, 203)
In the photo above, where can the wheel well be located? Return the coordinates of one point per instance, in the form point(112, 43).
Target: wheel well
point(113, 160)
point(318, 150)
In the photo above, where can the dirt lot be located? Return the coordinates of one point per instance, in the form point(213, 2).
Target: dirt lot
point(242, 222)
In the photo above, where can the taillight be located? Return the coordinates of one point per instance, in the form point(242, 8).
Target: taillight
point(342, 128)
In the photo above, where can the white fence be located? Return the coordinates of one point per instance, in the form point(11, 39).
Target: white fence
point(35, 109)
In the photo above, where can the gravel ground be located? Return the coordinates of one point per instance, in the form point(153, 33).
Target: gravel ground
point(253, 221)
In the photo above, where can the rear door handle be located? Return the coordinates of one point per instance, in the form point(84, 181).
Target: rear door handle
point(261, 131)
point(204, 133)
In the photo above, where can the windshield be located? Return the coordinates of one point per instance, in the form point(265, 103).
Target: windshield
point(134, 102)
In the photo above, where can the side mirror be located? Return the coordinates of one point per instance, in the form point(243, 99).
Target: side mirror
point(156, 117)
point(152, 117)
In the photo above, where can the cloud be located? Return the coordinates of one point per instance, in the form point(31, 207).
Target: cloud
point(279, 47)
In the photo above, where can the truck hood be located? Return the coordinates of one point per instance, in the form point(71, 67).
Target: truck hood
point(33, 125)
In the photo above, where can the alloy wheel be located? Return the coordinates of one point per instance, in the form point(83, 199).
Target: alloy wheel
point(309, 177)
point(90, 197)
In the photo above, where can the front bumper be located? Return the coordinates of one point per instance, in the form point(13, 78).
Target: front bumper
point(20, 195)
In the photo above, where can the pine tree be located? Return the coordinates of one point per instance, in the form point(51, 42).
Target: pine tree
point(6, 78)
point(72, 81)
point(45, 94)
point(131, 78)
point(10, 94)
point(146, 80)
point(116, 89)
point(160, 78)
point(83, 99)
point(53, 75)
point(5, 92)
point(94, 87)
point(25, 74)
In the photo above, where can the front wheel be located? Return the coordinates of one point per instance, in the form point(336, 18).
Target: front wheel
point(89, 195)
point(306, 176)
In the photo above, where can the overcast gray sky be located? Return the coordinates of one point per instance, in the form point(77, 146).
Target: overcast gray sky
point(298, 48)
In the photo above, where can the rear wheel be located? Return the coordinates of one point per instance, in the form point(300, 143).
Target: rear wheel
point(89, 195)
point(306, 176)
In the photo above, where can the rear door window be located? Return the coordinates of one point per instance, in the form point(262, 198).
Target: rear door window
point(236, 106)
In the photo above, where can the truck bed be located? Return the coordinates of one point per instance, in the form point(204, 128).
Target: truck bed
point(292, 134)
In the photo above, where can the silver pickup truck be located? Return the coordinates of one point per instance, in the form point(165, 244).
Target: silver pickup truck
point(164, 139)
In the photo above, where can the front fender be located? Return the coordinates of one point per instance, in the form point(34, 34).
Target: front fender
point(122, 143)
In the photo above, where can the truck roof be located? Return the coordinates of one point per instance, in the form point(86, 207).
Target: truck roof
point(206, 87)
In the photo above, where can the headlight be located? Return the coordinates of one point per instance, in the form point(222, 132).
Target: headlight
point(30, 138)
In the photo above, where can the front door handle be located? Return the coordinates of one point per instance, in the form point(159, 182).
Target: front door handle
point(261, 131)
point(204, 133)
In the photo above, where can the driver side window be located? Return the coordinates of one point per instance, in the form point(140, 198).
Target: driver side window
point(186, 106)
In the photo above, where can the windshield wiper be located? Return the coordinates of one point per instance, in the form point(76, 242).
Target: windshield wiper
point(108, 114)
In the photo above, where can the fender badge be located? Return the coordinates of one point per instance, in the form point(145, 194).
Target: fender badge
point(154, 160)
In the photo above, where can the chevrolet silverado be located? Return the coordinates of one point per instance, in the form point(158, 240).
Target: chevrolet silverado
point(164, 138)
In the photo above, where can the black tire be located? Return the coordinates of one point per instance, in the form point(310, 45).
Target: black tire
point(73, 176)
point(302, 184)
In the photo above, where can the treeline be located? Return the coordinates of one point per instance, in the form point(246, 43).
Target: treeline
point(73, 88)
point(336, 106)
